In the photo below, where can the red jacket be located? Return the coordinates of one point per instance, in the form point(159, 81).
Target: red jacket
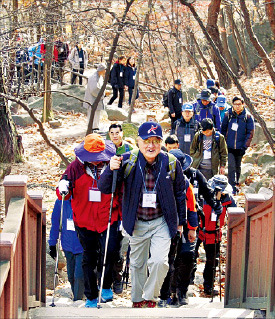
point(91, 215)
point(208, 233)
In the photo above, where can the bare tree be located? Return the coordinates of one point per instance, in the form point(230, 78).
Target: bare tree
point(270, 12)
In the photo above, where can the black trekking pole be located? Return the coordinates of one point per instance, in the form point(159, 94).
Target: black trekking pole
point(217, 233)
point(57, 254)
point(125, 275)
point(107, 236)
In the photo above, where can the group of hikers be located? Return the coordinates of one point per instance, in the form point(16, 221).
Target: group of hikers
point(170, 196)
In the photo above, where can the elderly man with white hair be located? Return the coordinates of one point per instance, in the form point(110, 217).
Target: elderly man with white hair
point(95, 83)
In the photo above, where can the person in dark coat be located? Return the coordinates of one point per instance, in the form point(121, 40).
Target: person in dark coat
point(118, 80)
point(130, 76)
point(153, 209)
point(70, 244)
point(175, 101)
point(205, 108)
point(185, 128)
point(238, 129)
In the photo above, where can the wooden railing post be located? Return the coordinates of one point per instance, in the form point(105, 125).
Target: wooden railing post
point(43, 258)
point(15, 186)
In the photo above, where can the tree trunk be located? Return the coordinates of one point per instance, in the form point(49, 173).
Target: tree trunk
point(270, 12)
point(241, 51)
point(10, 142)
point(226, 49)
point(139, 61)
point(111, 55)
point(256, 43)
point(202, 56)
point(212, 28)
point(233, 77)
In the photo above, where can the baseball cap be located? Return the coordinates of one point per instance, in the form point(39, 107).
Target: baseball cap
point(150, 129)
point(187, 107)
point(178, 81)
point(221, 100)
point(210, 82)
point(205, 95)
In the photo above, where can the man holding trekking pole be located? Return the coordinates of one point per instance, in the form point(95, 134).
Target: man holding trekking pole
point(91, 213)
point(153, 209)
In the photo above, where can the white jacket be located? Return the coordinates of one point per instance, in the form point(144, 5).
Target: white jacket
point(94, 85)
point(74, 58)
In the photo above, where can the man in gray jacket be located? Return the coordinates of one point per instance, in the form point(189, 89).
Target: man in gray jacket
point(94, 85)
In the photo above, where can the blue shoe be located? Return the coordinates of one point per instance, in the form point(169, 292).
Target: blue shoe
point(91, 303)
point(107, 294)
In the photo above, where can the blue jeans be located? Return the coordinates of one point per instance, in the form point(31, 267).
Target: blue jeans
point(75, 274)
point(130, 91)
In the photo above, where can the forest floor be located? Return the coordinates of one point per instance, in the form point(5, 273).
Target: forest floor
point(43, 166)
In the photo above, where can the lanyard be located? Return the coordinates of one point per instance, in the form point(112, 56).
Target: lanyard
point(144, 179)
point(95, 174)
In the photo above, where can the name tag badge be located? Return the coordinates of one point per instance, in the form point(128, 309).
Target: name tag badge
point(134, 77)
point(149, 199)
point(213, 216)
point(235, 126)
point(180, 100)
point(187, 137)
point(195, 190)
point(80, 59)
point(206, 154)
point(94, 195)
point(70, 224)
point(121, 74)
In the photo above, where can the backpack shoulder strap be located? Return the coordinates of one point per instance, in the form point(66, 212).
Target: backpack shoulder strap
point(177, 127)
point(217, 138)
point(131, 162)
point(172, 166)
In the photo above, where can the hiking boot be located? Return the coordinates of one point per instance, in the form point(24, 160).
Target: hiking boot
point(118, 287)
point(183, 299)
point(107, 294)
point(91, 303)
point(150, 304)
point(138, 304)
point(208, 291)
point(163, 303)
point(173, 301)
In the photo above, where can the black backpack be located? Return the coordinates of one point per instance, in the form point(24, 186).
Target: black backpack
point(109, 80)
point(165, 98)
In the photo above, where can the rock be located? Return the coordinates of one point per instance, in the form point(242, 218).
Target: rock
point(266, 158)
point(22, 119)
point(63, 102)
point(130, 130)
point(165, 124)
point(115, 113)
point(248, 190)
point(250, 159)
point(55, 123)
point(246, 171)
point(269, 169)
point(165, 116)
point(268, 193)
point(259, 134)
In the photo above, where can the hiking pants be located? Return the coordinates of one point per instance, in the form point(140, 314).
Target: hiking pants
point(210, 259)
point(115, 94)
point(149, 237)
point(234, 168)
point(81, 71)
point(75, 273)
point(93, 244)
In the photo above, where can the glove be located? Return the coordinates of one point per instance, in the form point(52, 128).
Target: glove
point(53, 251)
point(63, 187)
point(218, 209)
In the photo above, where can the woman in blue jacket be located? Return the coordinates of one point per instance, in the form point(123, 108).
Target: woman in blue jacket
point(70, 244)
point(130, 75)
point(238, 129)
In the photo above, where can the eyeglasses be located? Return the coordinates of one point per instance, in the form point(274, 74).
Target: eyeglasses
point(237, 104)
point(154, 142)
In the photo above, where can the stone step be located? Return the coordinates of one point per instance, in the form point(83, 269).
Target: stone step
point(197, 308)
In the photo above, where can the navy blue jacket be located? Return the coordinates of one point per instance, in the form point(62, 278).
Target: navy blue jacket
point(130, 73)
point(171, 194)
point(116, 78)
point(69, 239)
point(181, 128)
point(210, 111)
point(174, 102)
point(241, 138)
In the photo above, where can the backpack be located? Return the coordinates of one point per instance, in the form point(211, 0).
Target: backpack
point(131, 162)
point(217, 138)
point(165, 98)
point(110, 75)
point(198, 109)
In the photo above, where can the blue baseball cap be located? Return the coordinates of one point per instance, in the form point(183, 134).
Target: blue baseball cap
point(209, 83)
point(221, 100)
point(150, 129)
point(187, 107)
point(178, 81)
